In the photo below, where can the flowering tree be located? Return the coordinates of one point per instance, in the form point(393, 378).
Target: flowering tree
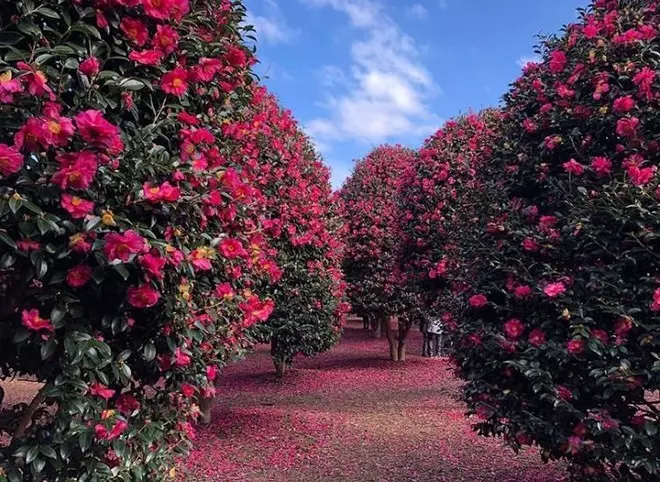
point(559, 340)
point(129, 240)
point(370, 212)
point(302, 228)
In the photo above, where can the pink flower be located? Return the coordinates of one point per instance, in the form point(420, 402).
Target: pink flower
point(8, 87)
point(175, 82)
point(95, 129)
point(602, 166)
point(644, 81)
point(188, 390)
point(554, 289)
point(127, 404)
point(478, 301)
point(211, 372)
point(143, 296)
point(135, 30)
point(536, 337)
point(206, 69)
point(232, 248)
point(77, 207)
point(627, 127)
point(36, 81)
point(514, 328)
point(32, 136)
point(224, 290)
point(655, 304)
point(90, 66)
point(158, 9)
point(558, 61)
point(575, 346)
point(551, 142)
point(99, 390)
point(640, 176)
point(146, 57)
point(11, 160)
point(522, 291)
point(573, 167)
point(600, 335)
point(164, 192)
point(529, 244)
point(121, 246)
point(181, 359)
point(79, 276)
point(32, 321)
point(564, 393)
point(624, 104)
point(153, 265)
point(102, 433)
point(165, 39)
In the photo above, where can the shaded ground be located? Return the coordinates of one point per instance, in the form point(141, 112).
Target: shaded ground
point(350, 415)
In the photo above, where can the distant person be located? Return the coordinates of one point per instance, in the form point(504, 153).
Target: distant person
point(433, 338)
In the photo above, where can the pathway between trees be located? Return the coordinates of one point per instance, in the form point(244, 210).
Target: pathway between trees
point(350, 415)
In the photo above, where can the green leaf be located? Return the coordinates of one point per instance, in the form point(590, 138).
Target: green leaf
point(32, 454)
point(123, 272)
point(20, 335)
point(47, 12)
point(48, 451)
point(48, 348)
point(131, 84)
point(86, 29)
point(4, 237)
point(15, 204)
point(28, 28)
point(32, 207)
point(85, 441)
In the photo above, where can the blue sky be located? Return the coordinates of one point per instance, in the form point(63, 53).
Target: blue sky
point(358, 73)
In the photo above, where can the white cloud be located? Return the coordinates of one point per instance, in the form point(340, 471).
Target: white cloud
point(270, 26)
point(525, 59)
point(417, 10)
point(386, 90)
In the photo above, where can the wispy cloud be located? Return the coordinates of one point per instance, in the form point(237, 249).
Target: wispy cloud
point(385, 91)
point(526, 59)
point(417, 10)
point(270, 24)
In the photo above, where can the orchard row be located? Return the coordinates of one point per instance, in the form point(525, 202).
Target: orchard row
point(533, 231)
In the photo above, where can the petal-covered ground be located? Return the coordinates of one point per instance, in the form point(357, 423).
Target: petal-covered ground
point(350, 415)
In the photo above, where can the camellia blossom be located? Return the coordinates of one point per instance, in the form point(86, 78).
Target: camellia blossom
point(79, 276)
point(102, 433)
point(11, 160)
point(165, 39)
point(640, 176)
point(554, 289)
point(127, 404)
point(627, 127)
point(164, 192)
point(8, 87)
point(558, 61)
point(188, 390)
point(623, 104)
point(90, 66)
point(514, 328)
point(655, 304)
point(522, 291)
point(573, 167)
point(135, 30)
point(175, 82)
point(232, 248)
point(602, 166)
point(146, 57)
point(575, 346)
point(32, 321)
point(94, 128)
point(153, 265)
point(100, 390)
point(536, 337)
point(478, 301)
point(143, 296)
point(77, 207)
point(121, 246)
point(36, 81)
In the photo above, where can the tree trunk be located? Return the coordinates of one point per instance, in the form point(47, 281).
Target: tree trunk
point(404, 328)
point(205, 408)
point(26, 418)
point(376, 322)
point(280, 367)
point(387, 328)
point(366, 323)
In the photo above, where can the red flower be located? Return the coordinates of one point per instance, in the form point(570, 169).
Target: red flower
point(602, 166)
point(564, 393)
point(122, 246)
point(57, 129)
point(127, 404)
point(101, 432)
point(153, 265)
point(36, 81)
point(206, 69)
point(558, 61)
point(644, 81)
point(143, 296)
point(514, 328)
point(624, 104)
point(181, 359)
point(575, 346)
point(529, 244)
point(90, 66)
point(79, 244)
point(236, 57)
point(94, 128)
point(600, 335)
point(536, 337)
point(554, 289)
point(211, 372)
point(478, 301)
point(79, 276)
point(165, 39)
point(158, 9)
point(573, 167)
point(232, 248)
point(188, 390)
point(8, 87)
point(655, 304)
point(522, 291)
point(146, 57)
point(164, 192)
point(32, 321)
point(256, 310)
point(99, 390)
point(175, 82)
point(77, 207)
point(640, 176)
point(135, 30)
point(224, 290)
point(32, 135)
point(627, 127)
point(11, 160)
point(623, 326)
point(187, 118)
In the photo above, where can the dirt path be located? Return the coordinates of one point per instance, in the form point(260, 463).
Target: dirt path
point(350, 415)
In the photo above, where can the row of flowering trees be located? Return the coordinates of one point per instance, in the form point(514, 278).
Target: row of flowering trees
point(157, 208)
point(532, 231)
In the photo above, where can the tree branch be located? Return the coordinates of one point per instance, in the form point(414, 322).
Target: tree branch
point(26, 418)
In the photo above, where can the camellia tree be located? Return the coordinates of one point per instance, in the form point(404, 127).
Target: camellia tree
point(302, 228)
point(130, 243)
point(370, 213)
point(559, 339)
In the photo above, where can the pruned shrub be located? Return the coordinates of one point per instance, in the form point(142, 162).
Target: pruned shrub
point(129, 241)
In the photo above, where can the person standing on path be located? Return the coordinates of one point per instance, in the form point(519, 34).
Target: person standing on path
point(433, 337)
